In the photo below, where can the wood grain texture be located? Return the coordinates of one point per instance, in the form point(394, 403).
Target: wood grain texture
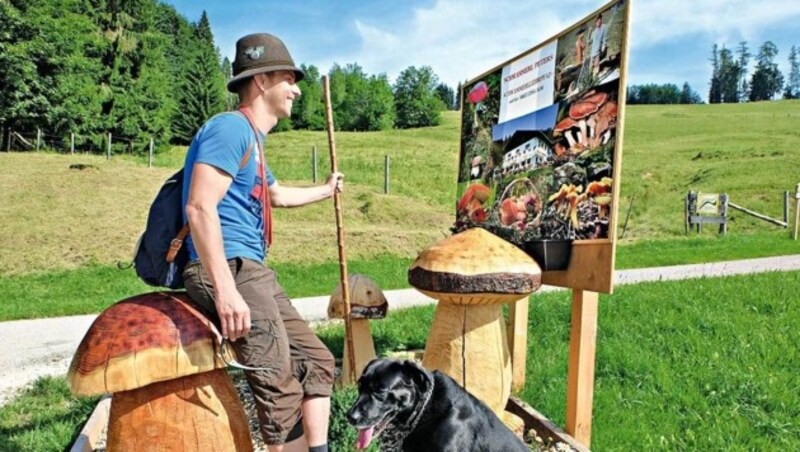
point(475, 252)
point(591, 267)
point(199, 412)
point(468, 343)
point(364, 350)
point(141, 340)
point(366, 300)
point(580, 373)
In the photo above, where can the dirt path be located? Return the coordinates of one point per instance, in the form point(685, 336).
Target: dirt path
point(35, 348)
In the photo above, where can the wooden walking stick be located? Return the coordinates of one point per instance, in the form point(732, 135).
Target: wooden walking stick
point(337, 203)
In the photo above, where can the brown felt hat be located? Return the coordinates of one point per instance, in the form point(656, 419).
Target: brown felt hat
point(259, 53)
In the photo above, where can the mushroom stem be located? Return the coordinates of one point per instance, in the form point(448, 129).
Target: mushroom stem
point(584, 138)
point(195, 412)
point(364, 349)
point(474, 336)
point(570, 138)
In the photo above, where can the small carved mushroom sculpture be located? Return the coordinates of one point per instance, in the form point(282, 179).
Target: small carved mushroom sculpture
point(156, 353)
point(472, 274)
point(366, 302)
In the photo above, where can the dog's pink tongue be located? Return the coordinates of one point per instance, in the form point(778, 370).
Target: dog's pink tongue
point(364, 437)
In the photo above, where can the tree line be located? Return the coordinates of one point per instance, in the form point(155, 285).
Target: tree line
point(731, 81)
point(138, 69)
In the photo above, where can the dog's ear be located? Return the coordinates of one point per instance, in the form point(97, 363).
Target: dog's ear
point(417, 374)
point(371, 364)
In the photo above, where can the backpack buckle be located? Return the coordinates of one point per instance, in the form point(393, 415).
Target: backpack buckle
point(174, 247)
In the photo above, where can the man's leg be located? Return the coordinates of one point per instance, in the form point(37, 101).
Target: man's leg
point(277, 393)
point(313, 365)
point(316, 416)
point(298, 445)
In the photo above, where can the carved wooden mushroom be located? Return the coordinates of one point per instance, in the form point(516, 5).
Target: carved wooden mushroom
point(366, 302)
point(472, 274)
point(156, 353)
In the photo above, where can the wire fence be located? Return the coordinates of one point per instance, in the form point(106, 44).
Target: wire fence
point(14, 140)
point(107, 144)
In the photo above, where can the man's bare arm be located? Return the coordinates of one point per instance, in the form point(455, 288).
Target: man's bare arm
point(281, 196)
point(207, 188)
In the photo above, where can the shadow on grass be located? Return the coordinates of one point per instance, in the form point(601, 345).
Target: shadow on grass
point(44, 417)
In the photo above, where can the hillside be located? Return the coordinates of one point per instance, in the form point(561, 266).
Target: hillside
point(57, 218)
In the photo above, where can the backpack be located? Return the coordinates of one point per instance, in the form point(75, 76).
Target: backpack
point(160, 257)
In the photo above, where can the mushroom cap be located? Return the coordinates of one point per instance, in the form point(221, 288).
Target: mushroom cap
point(141, 340)
point(366, 299)
point(595, 98)
point(477, 160)
point(478, 92)
point(582, 109)
point(475, 267)
point(565, 124)
point(475, 191)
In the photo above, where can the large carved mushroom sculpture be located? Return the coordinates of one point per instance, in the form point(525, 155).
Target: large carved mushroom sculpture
point(366, 302)
point(156, 353)
point(472, 274)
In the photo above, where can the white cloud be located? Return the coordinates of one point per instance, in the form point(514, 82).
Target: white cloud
point(458, 40)
point(723, 20)
point(461, 40)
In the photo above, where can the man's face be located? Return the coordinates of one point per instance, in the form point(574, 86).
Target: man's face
point(281, 91)
point(598, 22)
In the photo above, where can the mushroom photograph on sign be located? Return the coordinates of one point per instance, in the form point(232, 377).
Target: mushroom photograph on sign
point(539, 139)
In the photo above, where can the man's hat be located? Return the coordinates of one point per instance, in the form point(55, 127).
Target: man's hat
point(258, 53)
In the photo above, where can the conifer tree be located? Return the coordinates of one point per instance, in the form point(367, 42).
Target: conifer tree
point(203, 93)
point(767, 79)
point(793, 82)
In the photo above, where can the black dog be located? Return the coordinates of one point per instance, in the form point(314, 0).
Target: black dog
point(416, 410)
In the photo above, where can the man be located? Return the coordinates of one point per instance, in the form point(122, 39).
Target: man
point(228, 244)
point(599, 37)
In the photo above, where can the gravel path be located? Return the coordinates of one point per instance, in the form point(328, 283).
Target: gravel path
point(34, 348)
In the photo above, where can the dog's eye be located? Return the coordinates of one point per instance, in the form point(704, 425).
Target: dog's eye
point(380, 396)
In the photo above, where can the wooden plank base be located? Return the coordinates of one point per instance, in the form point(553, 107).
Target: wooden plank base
point(543, 427)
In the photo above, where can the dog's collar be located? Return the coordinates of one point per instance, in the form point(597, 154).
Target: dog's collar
point(395, 443)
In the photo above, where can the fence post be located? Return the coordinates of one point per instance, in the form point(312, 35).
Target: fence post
point(796, 210)
point(8, 140)
point(72, 143)
point(108, 152)
point(386, 174)
point(150, 159)
point(38, 138)
point(786, 207)
point(314, 164)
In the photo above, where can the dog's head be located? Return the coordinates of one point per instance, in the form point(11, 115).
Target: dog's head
point(389, 392)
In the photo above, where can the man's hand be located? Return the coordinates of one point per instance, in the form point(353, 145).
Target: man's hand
point(234, 314)
point(335, 182)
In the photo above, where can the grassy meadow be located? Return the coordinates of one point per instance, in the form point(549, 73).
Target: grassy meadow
point(675, 371)
point(63, 231)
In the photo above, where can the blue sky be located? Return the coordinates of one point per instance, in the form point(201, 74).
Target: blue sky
point(671, 39)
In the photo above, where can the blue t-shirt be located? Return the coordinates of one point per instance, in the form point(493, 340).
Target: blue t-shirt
point(222, 143)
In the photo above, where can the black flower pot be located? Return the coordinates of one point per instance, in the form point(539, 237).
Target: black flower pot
point(550, 254)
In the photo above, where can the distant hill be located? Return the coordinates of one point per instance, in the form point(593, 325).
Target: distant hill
point(57, 218)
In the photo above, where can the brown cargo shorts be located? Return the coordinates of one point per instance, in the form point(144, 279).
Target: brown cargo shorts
point(298, 365)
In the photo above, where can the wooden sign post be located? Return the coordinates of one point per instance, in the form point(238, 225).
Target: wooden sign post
point(796, 211)
point(525, 127)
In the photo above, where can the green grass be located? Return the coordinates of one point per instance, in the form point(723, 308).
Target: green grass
point(91, 289)
point(46, 417)
point(65, 219)
point(705, 364)
point(746, 150)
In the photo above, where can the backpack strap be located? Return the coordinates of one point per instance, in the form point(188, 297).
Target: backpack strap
point(266, 205)
point(176, 243)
